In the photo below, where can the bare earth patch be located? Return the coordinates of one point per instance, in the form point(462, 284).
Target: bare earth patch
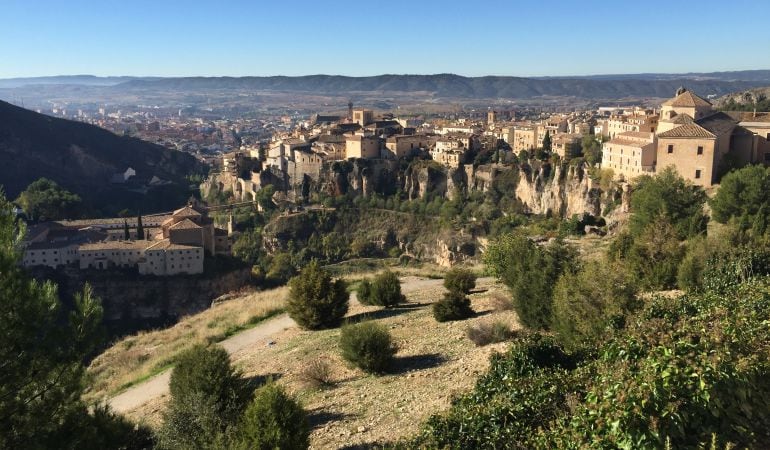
point(435, 362)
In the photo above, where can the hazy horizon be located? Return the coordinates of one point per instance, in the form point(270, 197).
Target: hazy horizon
point(574, 75)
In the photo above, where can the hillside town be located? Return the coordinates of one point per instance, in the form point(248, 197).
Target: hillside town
point(685, 132)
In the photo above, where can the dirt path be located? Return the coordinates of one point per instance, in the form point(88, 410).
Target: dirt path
point(157, 386)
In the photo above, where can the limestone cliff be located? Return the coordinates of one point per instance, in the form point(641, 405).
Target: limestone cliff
point(562, 191)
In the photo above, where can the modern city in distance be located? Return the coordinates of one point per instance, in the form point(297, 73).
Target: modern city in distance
point(404, 225)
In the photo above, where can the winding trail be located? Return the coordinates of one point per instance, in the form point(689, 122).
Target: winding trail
point(157, 386)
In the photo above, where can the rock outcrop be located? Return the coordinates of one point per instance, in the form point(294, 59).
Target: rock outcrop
point(563, 191)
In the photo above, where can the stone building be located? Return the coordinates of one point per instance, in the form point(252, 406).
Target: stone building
point(524, 138)
point(402, 145)
point(363, 117)
point(697, 149)
point(566, 144)
point(693, 138)
point(630, 154)
point(178, 244)
point(357, 146)
point(167, 258)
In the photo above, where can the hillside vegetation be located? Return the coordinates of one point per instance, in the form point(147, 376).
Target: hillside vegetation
point(82, 158)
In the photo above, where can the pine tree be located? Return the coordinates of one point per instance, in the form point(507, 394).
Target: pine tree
point(139, 227)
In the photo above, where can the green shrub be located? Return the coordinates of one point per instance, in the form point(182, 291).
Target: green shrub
point(591, 300)
point(682, 371)
point(368, 346)
point(485, 333)
point(207, 397)
point(655, 256)
point(668, 194)
point(743, 192)
point(364, 292)
point(315, 300)
point(273, 420)
point(530, 272)
point(460, 280)
point(453, 306)
point(524, 390)
point(384, 290)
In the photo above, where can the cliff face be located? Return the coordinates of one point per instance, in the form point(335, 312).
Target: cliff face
point(562, 191)
point(132, 303)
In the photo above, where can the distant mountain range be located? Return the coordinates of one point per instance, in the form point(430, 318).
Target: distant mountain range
point(84, 158)
point(439, 85)
point(80, 80)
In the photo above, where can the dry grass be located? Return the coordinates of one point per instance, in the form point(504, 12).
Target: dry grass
point(139, 357)
point(318, 372)
point(490, 332)
point(435, 363)
point(500, 302)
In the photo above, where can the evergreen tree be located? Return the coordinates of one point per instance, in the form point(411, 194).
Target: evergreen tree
point(315, 300)
point(41, 361)
point(126, 233)
point(139, 227)
point(208, 397)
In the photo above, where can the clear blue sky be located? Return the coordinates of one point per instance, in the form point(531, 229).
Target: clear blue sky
point(299, 37)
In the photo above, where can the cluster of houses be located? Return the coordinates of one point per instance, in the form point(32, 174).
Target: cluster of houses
point(688, 134)
point(160, 244)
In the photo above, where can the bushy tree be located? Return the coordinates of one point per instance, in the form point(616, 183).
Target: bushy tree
point(743, 192)
point(530, 272)
point(668, 194)
point(454, 305)
point(589, 301)
point(460, 280)
point(248, 246)
point(315, 300)
point(281, 268)
point(139, 227)
point(592, 149)
point(46, 200)
point(655, 256)
point(362, 247)
point(273, 420)
point(364, 292)
point(383, 290)
point(368, 345)
point(208, 397)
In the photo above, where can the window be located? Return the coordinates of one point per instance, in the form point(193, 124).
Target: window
point(671, 148)
point(700, 149)
point(697, 174)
